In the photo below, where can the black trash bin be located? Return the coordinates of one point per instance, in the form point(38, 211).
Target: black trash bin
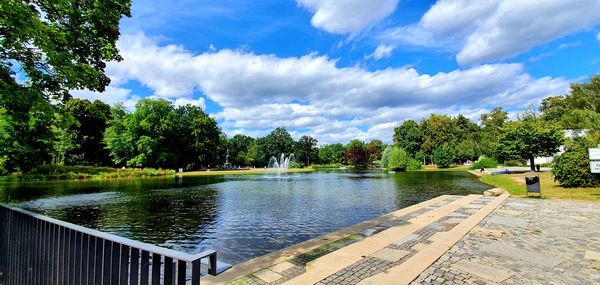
point(533, 185)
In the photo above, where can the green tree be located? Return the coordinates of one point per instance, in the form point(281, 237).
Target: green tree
point(398, 159)
point(444, 155)
point(88, 134)
point(409, 137)
point(528, 139)
point(158, 135)
point(332, 153)
point(238, 149)
point(306, 150)
point(48, 48)
point(493, 124)
point(275, 143)
point(437, 130)
point(118, 138)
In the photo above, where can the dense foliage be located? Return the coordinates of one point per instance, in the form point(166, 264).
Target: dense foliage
point(572, 168)
point(157, 134)
point(48, 48)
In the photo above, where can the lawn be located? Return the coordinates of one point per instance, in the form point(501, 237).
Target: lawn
point(247, 171)
point(515, 185)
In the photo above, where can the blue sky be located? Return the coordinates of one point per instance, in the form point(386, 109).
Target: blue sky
point(339, 70)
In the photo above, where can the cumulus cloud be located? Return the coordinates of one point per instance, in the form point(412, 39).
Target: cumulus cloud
point(382, 51)
point(313, 95)
point(486, 31)
point(347, 17)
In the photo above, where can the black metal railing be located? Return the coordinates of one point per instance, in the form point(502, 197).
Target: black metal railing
point(35, 249)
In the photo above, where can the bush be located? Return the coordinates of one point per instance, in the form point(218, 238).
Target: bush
point(572, 168)
point(414, 164)
point(398, 159)
point(485, 162)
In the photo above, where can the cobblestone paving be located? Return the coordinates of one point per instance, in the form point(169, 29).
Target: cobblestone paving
point(539, 241)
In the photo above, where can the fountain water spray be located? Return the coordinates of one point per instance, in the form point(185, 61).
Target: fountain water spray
point(283, 164)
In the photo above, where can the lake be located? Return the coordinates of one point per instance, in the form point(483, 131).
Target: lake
point(240, 216)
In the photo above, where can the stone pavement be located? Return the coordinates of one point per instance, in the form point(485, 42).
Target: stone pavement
point(526, 241)
point(456, 240)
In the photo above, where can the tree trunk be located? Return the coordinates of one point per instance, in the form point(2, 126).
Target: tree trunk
point(532, 164)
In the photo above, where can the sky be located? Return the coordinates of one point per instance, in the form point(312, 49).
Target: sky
point(344, 69)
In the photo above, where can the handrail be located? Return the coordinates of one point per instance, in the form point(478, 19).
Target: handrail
point(121, 240)
point(36, 249)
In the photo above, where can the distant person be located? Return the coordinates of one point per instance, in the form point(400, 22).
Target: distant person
point(537, 167)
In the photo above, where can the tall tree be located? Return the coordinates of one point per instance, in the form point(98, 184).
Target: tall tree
point(437, 130)
point(48, 48)
point(239, 146)
point(306, 150)
point(88, 134)
point(528, 139)
point(332, 153)
point(275, 143)
point(409, 137)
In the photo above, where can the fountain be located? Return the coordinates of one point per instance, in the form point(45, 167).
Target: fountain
point(282, 165)
point(227, 164)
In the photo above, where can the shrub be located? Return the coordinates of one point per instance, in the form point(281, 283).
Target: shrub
point(398, 159)
point(414, 164)
point(572, 168)
point(485, 162)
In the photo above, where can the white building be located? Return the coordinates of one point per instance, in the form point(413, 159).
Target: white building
point(569, 134)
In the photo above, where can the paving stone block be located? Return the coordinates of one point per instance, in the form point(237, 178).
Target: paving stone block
point(523, 254)
point(391, 255)
point(483, 271)
point(593, 255)
point(508, 221)
point(268, 275)
point(281, 267)
point(406, 239)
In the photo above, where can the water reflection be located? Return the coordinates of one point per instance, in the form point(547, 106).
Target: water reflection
point(240, 216)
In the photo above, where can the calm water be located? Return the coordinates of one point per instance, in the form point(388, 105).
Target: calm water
point(242, 216)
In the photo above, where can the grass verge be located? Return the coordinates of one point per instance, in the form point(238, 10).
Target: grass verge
point(515, 185)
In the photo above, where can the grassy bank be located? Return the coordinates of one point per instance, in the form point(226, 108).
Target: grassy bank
point(242, 172)
point(515, 185)
point(62, 172)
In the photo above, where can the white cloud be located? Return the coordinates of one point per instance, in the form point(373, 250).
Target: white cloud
point(487, 31)
point(312, 95)
point(382, 51)
point(347, 17)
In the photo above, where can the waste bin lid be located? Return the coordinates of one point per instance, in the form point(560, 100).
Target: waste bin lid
point(529, 180)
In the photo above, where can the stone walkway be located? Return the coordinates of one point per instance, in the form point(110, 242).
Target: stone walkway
point(526, 241)
point(456, 240)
